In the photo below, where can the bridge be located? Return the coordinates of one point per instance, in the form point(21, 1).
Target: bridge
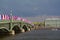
point(12, 26)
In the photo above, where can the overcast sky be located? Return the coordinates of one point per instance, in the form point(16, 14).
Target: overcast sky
point(27, 8)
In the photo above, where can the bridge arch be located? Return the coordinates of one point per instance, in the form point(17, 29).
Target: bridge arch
point(25, 28)
point(16, 28)
point(29, 26)
point(4, 31)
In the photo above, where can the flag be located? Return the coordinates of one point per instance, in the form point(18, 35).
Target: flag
point(5, 17)
point(14, 17)
point(19, 18)
point(0, 17)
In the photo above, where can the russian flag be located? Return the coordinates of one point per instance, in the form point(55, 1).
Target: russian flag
point(14, 17)
point(5, 17)
point(19, 18)
point(0, 17)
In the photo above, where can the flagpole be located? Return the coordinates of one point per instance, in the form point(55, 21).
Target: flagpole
point(11, 20)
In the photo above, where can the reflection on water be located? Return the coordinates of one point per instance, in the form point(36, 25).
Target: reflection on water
point(34, 35)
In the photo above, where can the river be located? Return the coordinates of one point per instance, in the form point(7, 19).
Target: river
point(35, 35)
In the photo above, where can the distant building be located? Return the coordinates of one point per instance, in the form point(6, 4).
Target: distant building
point(52, 22)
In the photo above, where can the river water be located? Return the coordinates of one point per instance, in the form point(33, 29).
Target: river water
point(35, 35)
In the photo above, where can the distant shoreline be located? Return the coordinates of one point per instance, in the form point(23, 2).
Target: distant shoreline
point(42, 28)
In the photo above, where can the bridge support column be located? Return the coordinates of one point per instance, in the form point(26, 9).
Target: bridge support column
point(22, 30)
point(28, 29)
point(12, 32)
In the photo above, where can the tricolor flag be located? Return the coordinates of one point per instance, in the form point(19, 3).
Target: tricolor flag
point(25, 20)
point(5, 17)
point(19, 18)
point(0, 17)
point(14, 17)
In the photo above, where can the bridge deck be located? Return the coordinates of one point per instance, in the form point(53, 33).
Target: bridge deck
point(8, 21)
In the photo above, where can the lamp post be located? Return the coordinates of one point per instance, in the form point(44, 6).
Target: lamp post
point(11, 20)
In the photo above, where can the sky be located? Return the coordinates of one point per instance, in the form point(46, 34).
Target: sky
point(30, 8)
